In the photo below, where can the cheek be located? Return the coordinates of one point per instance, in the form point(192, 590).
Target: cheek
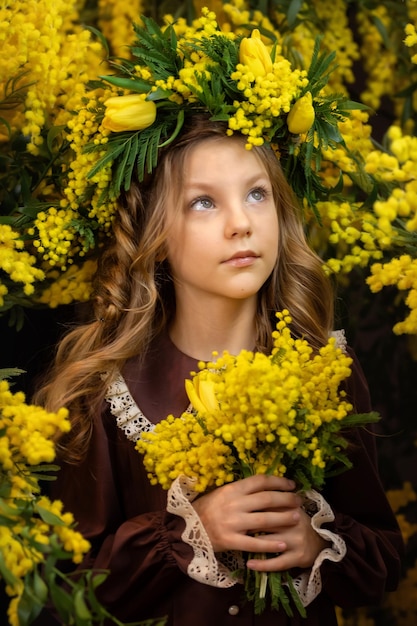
point(271, 237)
point(185, 251)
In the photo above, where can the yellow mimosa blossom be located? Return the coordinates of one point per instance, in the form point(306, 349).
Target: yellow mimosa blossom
point(402, 272)
point(74, 285)
point(115, 18)
point(36, 528)
point(17, 262)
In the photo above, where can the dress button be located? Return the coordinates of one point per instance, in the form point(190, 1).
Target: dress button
point(233, 610)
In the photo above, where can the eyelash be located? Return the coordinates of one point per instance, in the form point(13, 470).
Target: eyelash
point(260, 189)
point(200, 199)
point(263, 190)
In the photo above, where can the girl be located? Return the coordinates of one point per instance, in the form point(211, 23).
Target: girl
point(204, 252)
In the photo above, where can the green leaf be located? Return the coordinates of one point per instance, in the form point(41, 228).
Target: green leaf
point(81, 609)
point(293, 10)
point(29, 606)
point(111, 155)
point(158, 94)
point(99, 36)
point(360, 419)
point(97, 579)
point(156, 49)
point(40, 588)
point(48, 517)
point(294, 595)
point(180, 122)
point(44, 467)
point(6, 574)
point(120, 165)
point(380, 26)
point(62, 601)
point(352, 105)
point(130, 84)
point(52, 135)
point(9, 372)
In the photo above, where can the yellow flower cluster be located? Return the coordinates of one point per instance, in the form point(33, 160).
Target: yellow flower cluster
point(84, 129)
point(239, 14)
point(357, 136)
point(266, 97)
point(49, 57)
point(115, 19)
point(350, 233)
point(380, 61)
point(71, 541)
point(29, 430)
point(16, 262)
point(401, 272)
point(195, 61)
point(411, 40)
point(32, 526)
point(279, 414)
point(360, 235)
point(55, 237)
point(187, 81)
point(74, 285)
point(184, 447)
point(334, 28)
point(338, 36)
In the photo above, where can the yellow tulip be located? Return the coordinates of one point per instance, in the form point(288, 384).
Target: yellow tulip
point(201, 395)
point(254, 54)
point(301, 117)
point(128, 113)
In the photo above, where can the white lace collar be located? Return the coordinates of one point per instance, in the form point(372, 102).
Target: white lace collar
point(128, 415)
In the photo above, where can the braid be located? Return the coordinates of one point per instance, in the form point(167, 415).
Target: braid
point(125, 303)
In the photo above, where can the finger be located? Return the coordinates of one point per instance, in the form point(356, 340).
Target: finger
point(260, 545)
point(273, 501)
point(263, 482)
point(272, 521)
point(278, 563)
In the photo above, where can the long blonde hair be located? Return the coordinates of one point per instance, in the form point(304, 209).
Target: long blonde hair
point(134, 297)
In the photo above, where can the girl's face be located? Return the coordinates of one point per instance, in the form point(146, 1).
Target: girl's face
point(224, 243)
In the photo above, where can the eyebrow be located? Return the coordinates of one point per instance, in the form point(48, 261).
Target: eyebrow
point(203, 184)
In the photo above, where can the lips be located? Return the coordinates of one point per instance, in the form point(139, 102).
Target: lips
point(242, 258)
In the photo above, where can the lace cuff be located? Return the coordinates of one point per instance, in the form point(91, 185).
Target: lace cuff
point(308, 584)
point(204, 567)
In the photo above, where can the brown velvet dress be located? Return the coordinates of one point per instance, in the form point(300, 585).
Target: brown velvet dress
point(134, 537)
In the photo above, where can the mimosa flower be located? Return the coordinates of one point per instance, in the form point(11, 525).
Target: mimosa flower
point(131, 112)
point(254, 54)
point(301, 117)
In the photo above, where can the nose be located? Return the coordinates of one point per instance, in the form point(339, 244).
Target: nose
point(237, 222)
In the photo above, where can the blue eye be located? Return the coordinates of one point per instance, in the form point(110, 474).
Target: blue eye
point(257, 195)
point(202, 204)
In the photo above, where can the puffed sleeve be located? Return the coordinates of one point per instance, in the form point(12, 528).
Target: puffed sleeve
point(126, 521)
point(363, 518)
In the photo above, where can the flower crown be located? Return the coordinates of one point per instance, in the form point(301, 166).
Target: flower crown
point(238, 80)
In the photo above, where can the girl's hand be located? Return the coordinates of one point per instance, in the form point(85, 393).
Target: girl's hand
point(260, 514)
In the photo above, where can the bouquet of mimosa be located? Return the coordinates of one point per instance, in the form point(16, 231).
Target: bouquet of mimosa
point(280, 414)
